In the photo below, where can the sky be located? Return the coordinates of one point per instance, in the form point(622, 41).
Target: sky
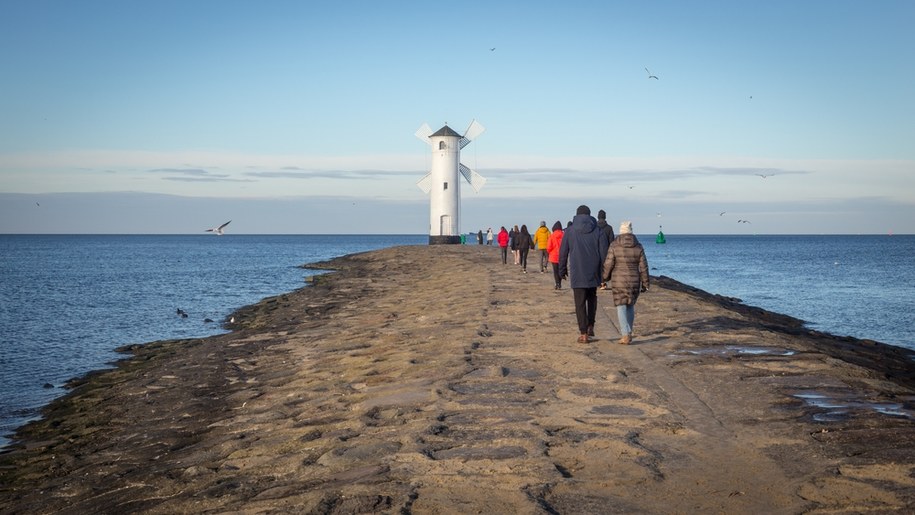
point(290, 117)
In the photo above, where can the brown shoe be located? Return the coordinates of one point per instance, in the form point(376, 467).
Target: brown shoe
point(625, 340)
point(584, 338)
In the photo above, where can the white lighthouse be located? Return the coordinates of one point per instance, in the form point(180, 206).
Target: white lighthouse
point(442, 182)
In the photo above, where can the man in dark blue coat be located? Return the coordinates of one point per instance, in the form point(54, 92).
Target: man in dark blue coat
point(581, 255)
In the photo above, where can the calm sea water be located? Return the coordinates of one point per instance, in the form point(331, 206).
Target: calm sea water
point(861, 286)
point(67, 301)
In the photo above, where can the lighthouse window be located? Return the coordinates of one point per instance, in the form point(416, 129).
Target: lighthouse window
point(446, 185)
point(442, 145)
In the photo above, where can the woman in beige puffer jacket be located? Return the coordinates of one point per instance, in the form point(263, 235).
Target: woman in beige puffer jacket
point(626, 270)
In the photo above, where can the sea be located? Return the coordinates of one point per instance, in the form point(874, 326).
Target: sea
point(68, 301)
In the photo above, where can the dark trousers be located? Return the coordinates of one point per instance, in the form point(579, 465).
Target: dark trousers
point(524, 258)
point(585, 307)
point(504, 254)
point(556, 274)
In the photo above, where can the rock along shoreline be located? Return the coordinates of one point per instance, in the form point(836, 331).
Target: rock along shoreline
point(437, 380)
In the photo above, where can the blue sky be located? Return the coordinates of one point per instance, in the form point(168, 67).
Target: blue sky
point(298, 117)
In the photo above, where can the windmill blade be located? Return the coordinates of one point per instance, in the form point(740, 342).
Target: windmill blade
point(424, 132)
point(425, 183)
point(475, 180)
point(472, 132)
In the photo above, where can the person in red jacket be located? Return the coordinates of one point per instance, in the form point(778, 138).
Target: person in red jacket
point(552, 247)
point(502, 238)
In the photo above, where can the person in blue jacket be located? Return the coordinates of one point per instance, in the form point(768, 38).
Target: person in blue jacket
point(581, 256)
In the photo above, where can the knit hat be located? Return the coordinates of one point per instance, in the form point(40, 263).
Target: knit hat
point(557, 226)
point(626, 227)
point(601, 215)
point(583, 210)
point(542, 223)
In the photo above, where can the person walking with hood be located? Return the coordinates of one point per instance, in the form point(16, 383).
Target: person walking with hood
point(608, 229)
point(582, 252)
point(552, 247)
point(513, 242)
point(503, 244)
point(541, 238)
point(626, 269)
point(525, 243)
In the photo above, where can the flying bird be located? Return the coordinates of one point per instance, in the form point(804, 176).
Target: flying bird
point(764, 175)
point(218, 230)
point(650, 76)
point(493, 49)
point(722, 213)
point(743, 221)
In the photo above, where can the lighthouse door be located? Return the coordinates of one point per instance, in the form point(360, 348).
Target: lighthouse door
point(445, 228)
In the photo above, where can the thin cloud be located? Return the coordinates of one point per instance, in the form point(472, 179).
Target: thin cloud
point(300, 174)
point(196, 172)
point(195, 175)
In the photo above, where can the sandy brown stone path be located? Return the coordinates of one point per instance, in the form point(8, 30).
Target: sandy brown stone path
point(436, 380)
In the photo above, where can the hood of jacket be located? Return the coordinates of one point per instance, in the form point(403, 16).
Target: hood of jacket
point(584, 224)
point(627, 240)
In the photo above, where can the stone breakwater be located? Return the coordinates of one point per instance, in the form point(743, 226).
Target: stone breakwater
point(437, 380)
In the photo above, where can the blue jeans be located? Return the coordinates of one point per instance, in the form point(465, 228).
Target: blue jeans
point(626, 314)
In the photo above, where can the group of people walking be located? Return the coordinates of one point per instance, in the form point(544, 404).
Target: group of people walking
point(588, 254)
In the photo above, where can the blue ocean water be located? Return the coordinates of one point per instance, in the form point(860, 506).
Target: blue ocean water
point(66, 301)
point(861, 286)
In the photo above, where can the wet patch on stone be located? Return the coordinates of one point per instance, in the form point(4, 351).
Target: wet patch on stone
point(619, 411)
point(739, 351)
point(480, 453)
point(600, 393)
point(492, 388)
point(835, 406)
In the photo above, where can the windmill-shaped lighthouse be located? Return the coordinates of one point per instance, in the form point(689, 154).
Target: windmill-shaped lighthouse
point(442, 183)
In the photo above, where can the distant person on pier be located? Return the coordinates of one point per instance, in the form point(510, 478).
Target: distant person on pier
point(503, 243)
point(552, 248)
point(626, 269)
point(514, 234)
point(489, 236)
point(480, 237)
point(524, 243)
point(581, 254)
point(541, 237)
point(608, 230)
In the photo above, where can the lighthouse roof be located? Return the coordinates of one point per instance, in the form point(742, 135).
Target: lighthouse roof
point(445, 131)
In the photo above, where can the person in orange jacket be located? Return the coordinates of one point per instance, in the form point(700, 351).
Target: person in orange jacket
point(552, 248)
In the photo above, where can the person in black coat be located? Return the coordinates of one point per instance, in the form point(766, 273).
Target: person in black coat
point(581, 256)
point(608, 230)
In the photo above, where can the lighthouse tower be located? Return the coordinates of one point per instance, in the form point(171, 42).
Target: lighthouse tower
point(442, 182)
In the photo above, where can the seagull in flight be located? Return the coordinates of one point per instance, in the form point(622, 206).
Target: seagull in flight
point(764, 175)
point(722, 213)
point(218, 230)
point(650, 76)
point(743, 221)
